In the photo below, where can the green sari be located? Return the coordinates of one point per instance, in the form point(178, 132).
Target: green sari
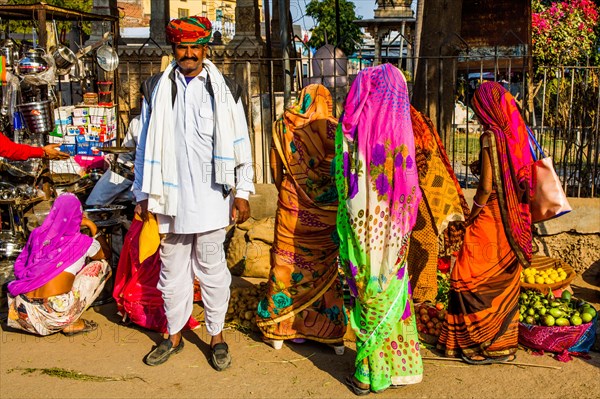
point(379, 196)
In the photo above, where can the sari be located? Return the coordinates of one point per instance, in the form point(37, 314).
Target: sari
point(136, 279)
point(483, 311)
point(443, 202)
point(53, 314)
point(52, 248)
point(379, 193)
point(304, 296)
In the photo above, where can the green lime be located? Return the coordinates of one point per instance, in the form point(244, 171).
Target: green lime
point(566, 295)
point(521, 317)
point(549, 321)
point(524, 296)
point(561, 321)
point(586, 317)
point(530, 320)
point(542, 311)
point(523, 309)
point(576, 320)
point(556, 313)
point(531, 311)
point(590, 310)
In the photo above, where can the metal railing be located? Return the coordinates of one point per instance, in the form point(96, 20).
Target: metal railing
point(563, 106)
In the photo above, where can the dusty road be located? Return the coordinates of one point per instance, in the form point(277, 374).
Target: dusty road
point(110, 363)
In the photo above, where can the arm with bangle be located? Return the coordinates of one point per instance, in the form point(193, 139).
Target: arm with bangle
point(484, 189)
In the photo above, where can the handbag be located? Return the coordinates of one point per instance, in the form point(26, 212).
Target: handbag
point(548, 198)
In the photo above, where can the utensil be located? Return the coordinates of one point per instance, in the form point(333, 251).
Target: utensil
point(107, 58)
point(39, 116)
point(64, 57)
point(10, 50)
point(32, 62)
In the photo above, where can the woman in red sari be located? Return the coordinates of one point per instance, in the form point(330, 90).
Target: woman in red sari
point(483, 312)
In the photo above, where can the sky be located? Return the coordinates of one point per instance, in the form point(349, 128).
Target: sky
point(364, 8)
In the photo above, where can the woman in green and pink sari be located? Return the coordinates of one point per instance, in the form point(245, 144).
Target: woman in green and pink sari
point(379, 198)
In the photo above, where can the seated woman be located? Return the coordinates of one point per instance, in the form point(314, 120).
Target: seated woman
point(54, 285)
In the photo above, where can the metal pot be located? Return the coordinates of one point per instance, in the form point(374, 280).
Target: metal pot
point(107, 58)
point(64, 58)
point(10, 50)
point(32, 62)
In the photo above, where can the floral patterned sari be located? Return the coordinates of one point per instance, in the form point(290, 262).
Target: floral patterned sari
point(304, 298)
point(379, 198)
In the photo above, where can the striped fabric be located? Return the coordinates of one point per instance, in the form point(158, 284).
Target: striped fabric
point(511, 161)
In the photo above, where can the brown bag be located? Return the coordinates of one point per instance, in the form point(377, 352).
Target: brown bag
point(548, 197)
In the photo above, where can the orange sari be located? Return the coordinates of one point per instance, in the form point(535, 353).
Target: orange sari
point(304, 297)
point(483, 312)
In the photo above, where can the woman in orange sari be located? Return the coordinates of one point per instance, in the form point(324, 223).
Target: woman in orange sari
point(304, 298)
point(483, 312)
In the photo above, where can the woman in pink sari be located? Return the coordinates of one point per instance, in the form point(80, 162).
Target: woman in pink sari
point(54, 285)
point(379, 197)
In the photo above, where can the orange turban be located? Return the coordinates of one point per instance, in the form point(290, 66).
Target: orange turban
point(189, 31)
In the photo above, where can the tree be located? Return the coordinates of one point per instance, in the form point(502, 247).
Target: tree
point(441, 23)
point(564, 32)
point(78, 5)
point(325, 31)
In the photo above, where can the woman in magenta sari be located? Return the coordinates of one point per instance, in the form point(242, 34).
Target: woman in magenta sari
point(379, 197)
point(54, 285)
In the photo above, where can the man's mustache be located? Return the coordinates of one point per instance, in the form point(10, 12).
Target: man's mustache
point(189, 58)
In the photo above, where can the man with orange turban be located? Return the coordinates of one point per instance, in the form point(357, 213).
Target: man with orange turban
point(193, 152)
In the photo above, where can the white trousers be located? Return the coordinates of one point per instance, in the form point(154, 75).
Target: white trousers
point(202, 255)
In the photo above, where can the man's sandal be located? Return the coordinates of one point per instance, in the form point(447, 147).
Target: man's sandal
point(162, 352)
point(220, 357)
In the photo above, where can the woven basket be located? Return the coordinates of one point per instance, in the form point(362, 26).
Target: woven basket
point(543, 263)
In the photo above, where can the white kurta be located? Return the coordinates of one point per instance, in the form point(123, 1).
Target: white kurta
point(201, 206)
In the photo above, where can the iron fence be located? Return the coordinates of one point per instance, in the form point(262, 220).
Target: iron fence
point(563, 105)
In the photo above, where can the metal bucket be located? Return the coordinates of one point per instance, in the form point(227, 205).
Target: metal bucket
point(39, 116)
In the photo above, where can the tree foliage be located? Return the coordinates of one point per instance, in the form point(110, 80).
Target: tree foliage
point(325, 30)
point(78, 5)
point(564, 32)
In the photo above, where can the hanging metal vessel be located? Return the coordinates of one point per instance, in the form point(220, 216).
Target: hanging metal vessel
point(107, 58)
point(32, 62)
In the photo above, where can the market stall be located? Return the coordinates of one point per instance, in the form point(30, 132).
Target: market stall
point(53, 93)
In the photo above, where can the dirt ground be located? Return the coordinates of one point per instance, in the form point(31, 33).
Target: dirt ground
point(108, 364)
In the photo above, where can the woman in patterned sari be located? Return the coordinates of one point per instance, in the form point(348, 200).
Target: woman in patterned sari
point(483, 312)
point(379, 195)
point(304, 298)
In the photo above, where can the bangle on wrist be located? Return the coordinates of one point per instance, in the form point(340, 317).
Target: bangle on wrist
point(477, 205)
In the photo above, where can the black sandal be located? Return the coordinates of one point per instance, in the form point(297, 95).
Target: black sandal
point(220, 357)
point(358, 391)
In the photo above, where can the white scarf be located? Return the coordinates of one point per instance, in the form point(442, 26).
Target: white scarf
point(160, 179)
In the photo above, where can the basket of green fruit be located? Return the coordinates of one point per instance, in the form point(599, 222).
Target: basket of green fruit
point(560, 325)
